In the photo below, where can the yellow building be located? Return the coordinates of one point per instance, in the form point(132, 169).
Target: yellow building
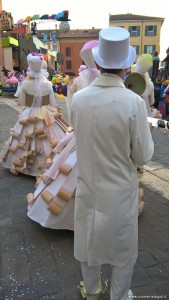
point(144, 31)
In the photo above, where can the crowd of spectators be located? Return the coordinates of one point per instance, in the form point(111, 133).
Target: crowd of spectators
point(160, 78)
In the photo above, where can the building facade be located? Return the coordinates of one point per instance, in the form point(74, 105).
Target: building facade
point(144, 31)
point(144, 36)
point(62, 48)
point(69, 46)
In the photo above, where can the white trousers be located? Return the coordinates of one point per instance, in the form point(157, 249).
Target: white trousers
point(119, 285)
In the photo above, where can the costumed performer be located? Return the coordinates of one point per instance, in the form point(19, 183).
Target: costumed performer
point(47, 205)
point(112, 137)
point(143, 64)
point(40, 126)
point(87, 73)
point(21, 78)
point(52, 203)
point(74, 86)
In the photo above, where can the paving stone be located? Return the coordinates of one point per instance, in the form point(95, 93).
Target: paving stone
point(73, 296)
point(5, 192)
point(142, 245)
point(157, 273)
point(151, 236)
point(165, 266)
point(145, 259)
point(56, 296)
point(146, 292)
point(140, 278)
point(60, 235)
point(19, 216)
point(12, 237)
point(157, 221)
point(5, 222)
point(71, 281)
point(163, 289)
point(50, 286)
point(2, 294)
point(5, 207)
point(14, 267)
point(161, 254)
point(67, 264)
point(23, 291)
point(162, 211)
point(165, 233)
point(42, 268)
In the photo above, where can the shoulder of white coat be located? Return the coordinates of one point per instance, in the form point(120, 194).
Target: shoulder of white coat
point(132, 95)
point(76, 98)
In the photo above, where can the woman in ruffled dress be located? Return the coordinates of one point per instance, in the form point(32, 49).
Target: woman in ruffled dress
point(52, 203)
point(40, 126)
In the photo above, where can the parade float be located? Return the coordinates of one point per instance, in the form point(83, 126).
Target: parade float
point(26, 41)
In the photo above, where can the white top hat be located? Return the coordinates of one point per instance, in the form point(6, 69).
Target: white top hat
point(114, 51)
point(86, 53)
point(35, 61)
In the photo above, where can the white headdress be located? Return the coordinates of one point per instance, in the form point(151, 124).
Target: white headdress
point(35, 61)
point(90, 72)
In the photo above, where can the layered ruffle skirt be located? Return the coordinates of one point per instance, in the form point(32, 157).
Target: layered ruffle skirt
point(36, 133)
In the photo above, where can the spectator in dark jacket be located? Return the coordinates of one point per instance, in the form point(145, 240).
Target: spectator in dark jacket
point(166, 60)
point(155, 68)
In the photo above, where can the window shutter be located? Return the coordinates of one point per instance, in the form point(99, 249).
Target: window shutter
point(146, 29)
point(145, 49)
point(138, 30)
point(155, 29)
point(129, 29)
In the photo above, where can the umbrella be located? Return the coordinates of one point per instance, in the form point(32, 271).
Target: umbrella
point(27, 19)
point(44, 17)
point(20, 21)
point(59, 15)
point(52, 17)
point(35, 17)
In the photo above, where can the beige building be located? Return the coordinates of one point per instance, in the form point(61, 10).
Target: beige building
point(144, 31)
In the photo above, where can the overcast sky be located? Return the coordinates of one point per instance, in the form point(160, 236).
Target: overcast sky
point(85, 14)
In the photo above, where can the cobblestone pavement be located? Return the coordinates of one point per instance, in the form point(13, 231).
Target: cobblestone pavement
point(37, 263)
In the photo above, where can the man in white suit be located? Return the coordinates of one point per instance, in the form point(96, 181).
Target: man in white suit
point(112, 138)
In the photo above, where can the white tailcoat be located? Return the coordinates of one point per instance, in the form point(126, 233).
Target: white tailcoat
point(112, 138)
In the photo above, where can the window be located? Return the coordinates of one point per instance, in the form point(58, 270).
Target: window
point(68, 64)
point(151, 30)
point(134, 30)
point(68, 51)
point(137, 49)
point(54, 47)
point(149, 49)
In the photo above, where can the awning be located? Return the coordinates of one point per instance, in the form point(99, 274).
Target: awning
point(7, 41)
point(38, 43)
point(52, 53)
